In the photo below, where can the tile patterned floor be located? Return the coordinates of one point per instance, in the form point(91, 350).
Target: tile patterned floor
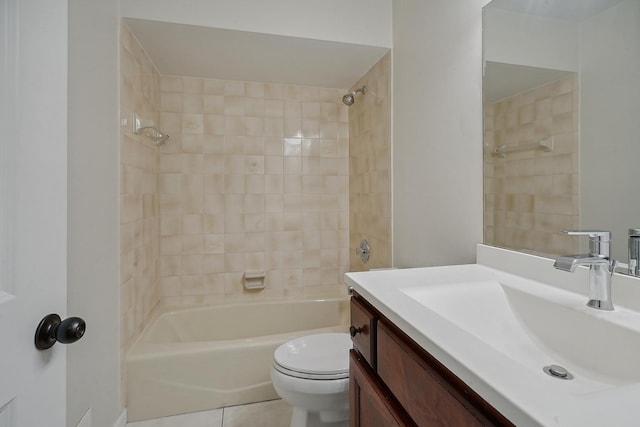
point(274, 413)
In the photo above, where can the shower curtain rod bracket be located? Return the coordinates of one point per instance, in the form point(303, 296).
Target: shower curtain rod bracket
point(140, 124)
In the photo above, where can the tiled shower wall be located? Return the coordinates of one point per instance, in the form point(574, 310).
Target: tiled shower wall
point(254, 178)
point(531, 195)
point(139, 216)
point(370, 168)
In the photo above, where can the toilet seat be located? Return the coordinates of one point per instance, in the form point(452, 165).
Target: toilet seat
point(315, 357)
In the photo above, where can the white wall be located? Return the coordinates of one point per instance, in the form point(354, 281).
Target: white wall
point(437, 136)
point(93, 375)
point(366, 22)
point(535, 41)
point(610, 122)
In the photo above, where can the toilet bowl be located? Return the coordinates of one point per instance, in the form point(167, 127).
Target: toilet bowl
point(311, 373)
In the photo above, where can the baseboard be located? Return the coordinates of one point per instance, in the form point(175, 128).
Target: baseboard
point(86, 419)
point(122, 419)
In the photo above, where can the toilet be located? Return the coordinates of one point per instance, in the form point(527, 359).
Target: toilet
point(311, 373)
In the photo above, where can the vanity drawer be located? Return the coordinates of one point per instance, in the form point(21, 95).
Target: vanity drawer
point(362, 329)
point(430, 393)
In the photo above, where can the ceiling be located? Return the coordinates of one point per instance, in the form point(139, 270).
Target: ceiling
point(572, 10)
point(505, 80)
point(194, 51)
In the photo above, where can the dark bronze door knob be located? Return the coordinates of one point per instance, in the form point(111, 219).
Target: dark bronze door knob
point(52, 329)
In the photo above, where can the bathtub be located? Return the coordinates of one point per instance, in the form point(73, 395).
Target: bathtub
point(208, 357)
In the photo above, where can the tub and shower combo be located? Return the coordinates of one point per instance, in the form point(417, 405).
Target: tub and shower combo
point(204, 358)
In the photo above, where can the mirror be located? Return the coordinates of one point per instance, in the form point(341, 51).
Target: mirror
point(561, 122)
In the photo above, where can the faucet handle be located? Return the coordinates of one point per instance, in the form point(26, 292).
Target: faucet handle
point(598, 241)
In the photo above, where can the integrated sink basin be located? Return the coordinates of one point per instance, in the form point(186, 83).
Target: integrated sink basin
point(498, 331)
point(537, 325)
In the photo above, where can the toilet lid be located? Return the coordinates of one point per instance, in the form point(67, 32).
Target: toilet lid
point(320, 354)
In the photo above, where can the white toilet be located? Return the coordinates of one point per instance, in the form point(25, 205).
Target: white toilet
point(311, 373)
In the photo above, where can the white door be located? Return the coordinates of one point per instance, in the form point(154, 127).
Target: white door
point(33, 198)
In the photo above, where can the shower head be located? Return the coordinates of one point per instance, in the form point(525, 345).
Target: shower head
point(350, 98)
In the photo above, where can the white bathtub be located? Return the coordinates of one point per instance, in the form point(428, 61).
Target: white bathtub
point(204, 358)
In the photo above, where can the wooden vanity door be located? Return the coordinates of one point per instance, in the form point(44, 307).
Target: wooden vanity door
point(429, 393)
point(369, 407)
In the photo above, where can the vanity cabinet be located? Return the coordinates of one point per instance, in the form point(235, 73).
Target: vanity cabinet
point(395, 382)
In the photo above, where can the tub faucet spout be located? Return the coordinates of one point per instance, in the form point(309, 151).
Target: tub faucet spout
point(601, 267)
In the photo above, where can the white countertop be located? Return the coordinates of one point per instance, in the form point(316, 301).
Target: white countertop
point(522, 393)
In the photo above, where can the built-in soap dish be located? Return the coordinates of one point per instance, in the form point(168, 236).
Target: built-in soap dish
point(254, 280)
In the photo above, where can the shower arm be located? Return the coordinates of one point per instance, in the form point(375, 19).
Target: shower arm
point(362, 90)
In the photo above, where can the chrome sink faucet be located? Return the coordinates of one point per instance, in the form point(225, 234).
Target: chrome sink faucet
point(601, 267)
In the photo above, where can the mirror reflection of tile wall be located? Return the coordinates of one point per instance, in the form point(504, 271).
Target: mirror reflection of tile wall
point(531, 195)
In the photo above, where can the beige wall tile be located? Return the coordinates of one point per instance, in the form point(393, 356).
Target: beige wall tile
point(140, 223)
point(192, 85)
point(368, 146)
point(274, 91)
point(232, 88)
point(214, 86)
point(232, 191)
point(171, 84)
